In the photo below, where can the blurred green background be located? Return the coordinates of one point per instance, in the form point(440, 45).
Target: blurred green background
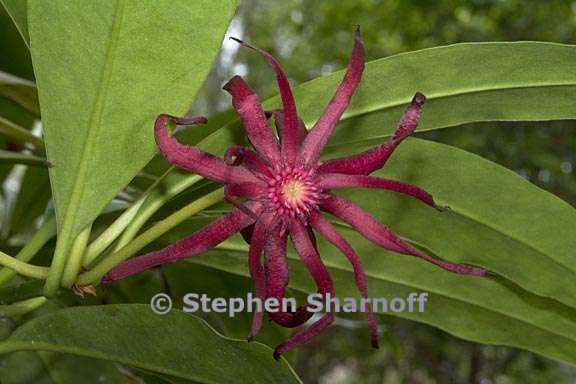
point(313, 38)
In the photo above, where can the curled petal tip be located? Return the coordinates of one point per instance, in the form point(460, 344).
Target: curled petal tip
point(276, 355)
point(419, 98)
point(229, 85)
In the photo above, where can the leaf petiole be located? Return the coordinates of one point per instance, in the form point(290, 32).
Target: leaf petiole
point(22, 307)
point(46, 232)
point(109, 262)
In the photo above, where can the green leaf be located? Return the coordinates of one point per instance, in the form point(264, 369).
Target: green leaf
point(497, 219)
point(489, 311)
point(98, 114)
point(464, 83)
point(10, 157)
point(131, 334)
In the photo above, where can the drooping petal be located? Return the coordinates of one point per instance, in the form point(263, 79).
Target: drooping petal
point(276, 270)
point(327, 230)
point(256, 270)
point(380, 235)
point(367, 162)
point(279, 121)
point(193, 245)
point(340, 180)
point(237, 155)
point(311, 259)
point(321, 131)
point(289, 142)
point(193, 159)
point(247, 104)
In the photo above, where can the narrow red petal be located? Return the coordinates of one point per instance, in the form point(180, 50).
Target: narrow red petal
point(374, 158)
point(380, 235)
point(193, 245)
point(321, 131)
point(237, 155)
point(276, 270)
point(340, 180)
point(257, 271)
point(193, 159)
point(327, 230)
point(307, 252)
point(247, 104)
point(249, 190)
point(279, 121)
point(289, 142)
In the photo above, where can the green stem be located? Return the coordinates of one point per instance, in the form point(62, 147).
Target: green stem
point(61, 252)
point(74, 262)
point(112, 232)
point(22, 268)
point(153, 204)
point(94, 275)
point(22, 307)
point(19, 134)
point(134, 218)
point(46, 232)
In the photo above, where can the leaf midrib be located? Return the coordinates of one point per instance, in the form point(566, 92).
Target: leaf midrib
point(95, 122)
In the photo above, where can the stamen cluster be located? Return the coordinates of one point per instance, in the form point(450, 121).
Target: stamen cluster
point(292, 192)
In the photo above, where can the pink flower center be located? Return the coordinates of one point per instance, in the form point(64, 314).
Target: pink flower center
point(292, 192)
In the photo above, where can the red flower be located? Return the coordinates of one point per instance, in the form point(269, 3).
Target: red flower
point(287, 187)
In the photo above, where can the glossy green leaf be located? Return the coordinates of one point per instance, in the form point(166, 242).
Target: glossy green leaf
point(464, 83)
point(489, 311)
point(95, 140)
point(496, 219)
point(98, 113)
point(131, 334)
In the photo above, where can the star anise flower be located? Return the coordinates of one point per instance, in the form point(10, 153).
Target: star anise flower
point(287, 187)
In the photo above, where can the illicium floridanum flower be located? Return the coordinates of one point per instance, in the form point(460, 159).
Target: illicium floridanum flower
point(287, 188)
